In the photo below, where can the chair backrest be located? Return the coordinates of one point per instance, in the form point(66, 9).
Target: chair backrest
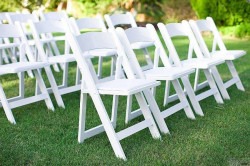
point(208, 24)
point(21, 17)
point(136, 35)
point(182, 29)
point(88, 23)
point(3, 15)
point(12, 32)
point(56, 16)
point(42, 32)
point(85, 45)
point(120, 19)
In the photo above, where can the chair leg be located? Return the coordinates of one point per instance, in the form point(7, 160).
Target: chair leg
point(108, 127)
point(212, 85)
point(156, 112)
point(192, 96)
point(114, 110)
point(147, 115)
point(54, 87)
point(21, 84)
point(182, 96)
point(166, 95)
point(128, 108)
point(82, 117)
point(99, 70)
point(78, 76)
point(65, 74)
point(196, 80)
point(220, 83)
point(6, 106)
point(235, 75)
point(43, 89)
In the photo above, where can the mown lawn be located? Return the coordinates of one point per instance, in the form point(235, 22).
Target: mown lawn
point(43, 137)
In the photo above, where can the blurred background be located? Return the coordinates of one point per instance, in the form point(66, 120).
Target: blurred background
point(232, 16)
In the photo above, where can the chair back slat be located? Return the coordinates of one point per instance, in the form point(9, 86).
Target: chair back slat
point(176, 29)
point(120, 19)
point(138, 34)
point(23, 18)
point(9, 30)
point(50, 26)
point(95, 41)
point(90, 23)
point(56, 16)
point(203, 25)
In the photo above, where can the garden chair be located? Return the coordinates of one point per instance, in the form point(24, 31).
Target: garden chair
point(208, 25)
point(137, 35)
point(55, 16)
point(90, 44)
point(92, 24)
point(172, 30)
point(15, 31)
point(42, 40)
point(4, 56)
point(121, 19)
point(23, 19)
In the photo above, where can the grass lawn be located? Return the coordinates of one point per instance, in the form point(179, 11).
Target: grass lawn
point(43, 137)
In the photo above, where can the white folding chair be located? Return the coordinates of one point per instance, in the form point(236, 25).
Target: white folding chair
point(90, 24)
point(138, 35)
point(168, 32)
point(55, 16)
point(228, 55)
point(15, 31)
point(92, 44)
point(120, 19)
point(42, 40)
point(23, 20)
point(5, 57)
point(117, 20)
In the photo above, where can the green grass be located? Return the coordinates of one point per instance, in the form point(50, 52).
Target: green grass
point(43, 137)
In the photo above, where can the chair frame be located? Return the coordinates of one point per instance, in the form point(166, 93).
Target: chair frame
point(15, 31)
point(209, 25)
point(182, 29)
point(143, 95)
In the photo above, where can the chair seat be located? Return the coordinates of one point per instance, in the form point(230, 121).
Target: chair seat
point(61, 59)
point(21, 66)
point(100, 52)
point(202, 63)
point(140, 45)
point(171, 73)
point(229, 54)
point(125, 86)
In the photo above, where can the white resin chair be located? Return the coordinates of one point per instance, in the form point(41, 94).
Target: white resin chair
point(4, 56)
point(53, 45)
point(92, 24)
point(42, 35)
point(23, 20)
point(168, 32)
point(15, 31)
point(208, 25)
point(138, 35)
point(120, 19)
point(90, 44)
point(117, 20)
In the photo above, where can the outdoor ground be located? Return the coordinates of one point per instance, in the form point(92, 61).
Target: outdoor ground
point(43, 137)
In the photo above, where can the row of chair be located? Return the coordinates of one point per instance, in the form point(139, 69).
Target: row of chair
point(127, 76)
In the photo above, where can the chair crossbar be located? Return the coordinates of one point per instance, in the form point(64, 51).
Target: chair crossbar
point(170, 111)
point(133, 129)
point(206, 94)
point(27, 100)
point(231, 82)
